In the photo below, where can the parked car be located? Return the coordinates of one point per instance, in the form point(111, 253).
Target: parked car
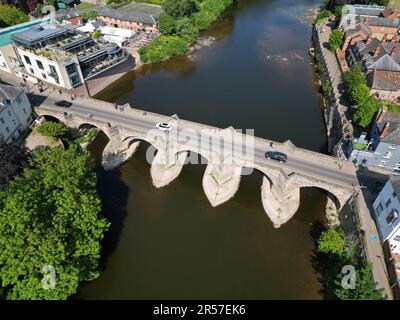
point(276, 155)
point(163, 126)
point(63, 103)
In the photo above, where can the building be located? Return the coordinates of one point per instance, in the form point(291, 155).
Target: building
point(15, 112)
point(373, 42)
point(117, 35)
point(65, 57)
point(353, 13)
point(136, 21)
point(8, 58)
point(386, 209)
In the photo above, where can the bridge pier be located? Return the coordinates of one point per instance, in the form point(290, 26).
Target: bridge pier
point(220, 182)
point(164, 170)
point(115, 153)
point(280, 205)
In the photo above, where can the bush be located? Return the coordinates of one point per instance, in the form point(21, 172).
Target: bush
point(335, 40)
point(10, 15)
point(163, 47)
point(332, 242)
point(180, 25)
point(52, 129)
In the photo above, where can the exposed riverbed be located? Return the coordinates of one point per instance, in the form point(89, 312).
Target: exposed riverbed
point(252, 70)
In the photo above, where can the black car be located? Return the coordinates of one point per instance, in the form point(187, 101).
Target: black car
point(63, 103)
point(276, 155)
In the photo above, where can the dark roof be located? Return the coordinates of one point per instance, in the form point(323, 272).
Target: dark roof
point(67, 13)
point(36, 35)
point(392, 120)
point(9, 92)
point(368, 10)
point(383, 22)
point(395, 181)
point(127, 16)
point(66, 1)
point(386, 80)
point(385, 63)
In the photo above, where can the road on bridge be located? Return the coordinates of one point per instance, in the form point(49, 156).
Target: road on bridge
point(299, 160)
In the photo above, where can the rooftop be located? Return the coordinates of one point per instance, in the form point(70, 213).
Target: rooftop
point(9, 92)
point(37, 35)
point(133, 16)
point(6, 33)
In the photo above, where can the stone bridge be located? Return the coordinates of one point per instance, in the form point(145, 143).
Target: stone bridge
point(280, 190)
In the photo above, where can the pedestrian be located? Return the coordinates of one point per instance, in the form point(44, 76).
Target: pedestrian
point(271, 144)
point(59, 91)
point(115, 105)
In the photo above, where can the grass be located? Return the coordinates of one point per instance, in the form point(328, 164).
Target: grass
point(392, 108)
point(395, 3)
point(157, 2)
point(360, 146)
point(85, 5)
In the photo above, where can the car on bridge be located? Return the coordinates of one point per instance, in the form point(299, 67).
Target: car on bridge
point(63, 103)
point(276, 155)
point(163, 126)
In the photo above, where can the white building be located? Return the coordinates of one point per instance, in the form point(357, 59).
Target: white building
point(118, 36)
point(15, 112)
point(387, 211)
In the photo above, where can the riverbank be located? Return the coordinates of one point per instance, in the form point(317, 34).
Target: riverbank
point(180, 30)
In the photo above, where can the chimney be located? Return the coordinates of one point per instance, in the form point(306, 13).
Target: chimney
point(394, 39)
point(366, 20)
point(384, 38)
point(385, 130)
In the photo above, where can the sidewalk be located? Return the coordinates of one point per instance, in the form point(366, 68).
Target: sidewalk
point(373, 248)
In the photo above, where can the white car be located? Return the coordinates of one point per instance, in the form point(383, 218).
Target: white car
point(163, 126)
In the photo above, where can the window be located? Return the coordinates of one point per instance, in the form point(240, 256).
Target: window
point(24, 110)
point(8, 130)
point(387, 204)
point(70, 68)
point(74, 80)
point(392, 216)
point(394, 194)
point(397, 238)
point(9, 113)
point(31, 71)
point(39, 64)
point(2, 120)
point(18, 100)
point(379, 209)
point(44, 76)
point(57, 80)
point(27, 60)
point(53, 71)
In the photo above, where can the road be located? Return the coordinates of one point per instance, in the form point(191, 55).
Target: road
point(299, 160)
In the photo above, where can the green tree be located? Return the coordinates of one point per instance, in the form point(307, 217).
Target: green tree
point(13, 158)
point(365, 286)
point(331, 241)
point(166, 24)
point(364, 113)
point(50, 216)
point(52, 129)
point(322, 15)
point(179, 8)
point(359, 94)
point(186, 29)
point(335, 39)
point(10, 15)
point(354, 78)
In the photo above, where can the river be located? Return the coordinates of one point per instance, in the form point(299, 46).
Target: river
point(170, 243)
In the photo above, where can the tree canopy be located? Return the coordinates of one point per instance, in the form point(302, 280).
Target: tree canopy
point(365, 287)
point(179, 8)
point(11, 15)
point(335, 39)
point(13, 158)
point(331, 241)
point(52, 129)
point(50, 225)
point(364, 106)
